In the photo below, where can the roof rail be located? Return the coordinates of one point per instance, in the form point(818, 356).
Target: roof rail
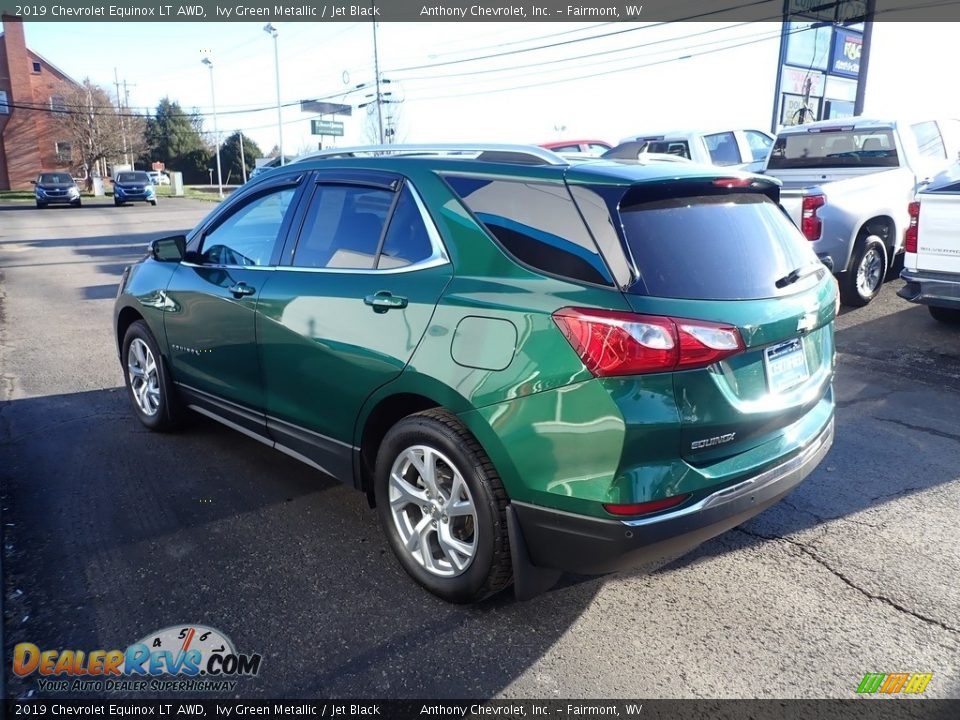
point(520, 154)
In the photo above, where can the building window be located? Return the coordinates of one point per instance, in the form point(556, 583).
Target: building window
point(4, 105)
point(36, 67)
point(64, 153)
point(58, 104)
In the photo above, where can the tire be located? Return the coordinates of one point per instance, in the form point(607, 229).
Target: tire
point(469, 552)
point(41, 205)
point(868, 268)
point(157, 405)
point(116, 202)
point(153, 202)
point(950, 316)
point(77, 203)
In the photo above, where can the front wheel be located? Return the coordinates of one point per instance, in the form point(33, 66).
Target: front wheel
point(41, 205)
point(861, 283)
point(950, 316)
point(116, 202)
point(443, 508)
point(77, 203)
point(153, 202)
point(148, 382)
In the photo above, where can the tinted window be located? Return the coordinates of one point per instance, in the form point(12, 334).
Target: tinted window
point(849, 148)
point(669, 147)
point(132, 177)
point(566, 148)
point(343, 227)
point(720, 247)
point(759, 144)
point(407, 241)
point(55, 179)
point(723, 148)
point(928, 139)
point(537, 223)
point(247, 236)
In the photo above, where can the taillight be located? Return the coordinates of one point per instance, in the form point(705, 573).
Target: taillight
point(913, 230)
point(647, 507)
point(810, 224)
point(621, 343)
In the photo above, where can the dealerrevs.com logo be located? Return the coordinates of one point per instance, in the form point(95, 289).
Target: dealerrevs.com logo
point(181, 657)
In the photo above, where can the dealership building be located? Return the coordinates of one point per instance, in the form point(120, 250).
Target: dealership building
point(33, 137)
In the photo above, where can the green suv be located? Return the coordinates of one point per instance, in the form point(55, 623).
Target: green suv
point(528, 366)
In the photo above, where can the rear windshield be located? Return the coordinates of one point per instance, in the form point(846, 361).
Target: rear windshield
point(130, 177)
point(55, 179)
point(719, 247)
point(860, 148)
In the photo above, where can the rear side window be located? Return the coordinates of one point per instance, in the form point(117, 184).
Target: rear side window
point(759, 144)
point(343, 227)
point(407, 241)
point(669, 147)
point(928, 139)
point(537, 223)
point(723, 148)
point(717, 247)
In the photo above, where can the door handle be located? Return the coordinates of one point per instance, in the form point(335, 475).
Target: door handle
point(385, 300)
point(241, 289)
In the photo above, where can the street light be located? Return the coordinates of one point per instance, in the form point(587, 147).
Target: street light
point(271, 30)
point(216, 133)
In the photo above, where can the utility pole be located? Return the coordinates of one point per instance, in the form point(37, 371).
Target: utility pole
point(864, 58)
point(123, 131)
point(243, 160)
point(376, 70)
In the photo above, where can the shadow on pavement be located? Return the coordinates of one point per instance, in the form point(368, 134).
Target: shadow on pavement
point(118, 532)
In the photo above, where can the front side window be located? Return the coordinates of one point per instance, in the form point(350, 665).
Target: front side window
point(343, 227)
point(723, 148)
point(537, 223)
point(247, 237)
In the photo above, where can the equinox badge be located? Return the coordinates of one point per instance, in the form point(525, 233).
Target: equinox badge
point(710, 442)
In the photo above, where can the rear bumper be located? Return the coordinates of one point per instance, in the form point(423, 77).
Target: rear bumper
point(577, 543)
point(930, 288)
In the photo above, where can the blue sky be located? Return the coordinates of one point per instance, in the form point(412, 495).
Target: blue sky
point(648, 78)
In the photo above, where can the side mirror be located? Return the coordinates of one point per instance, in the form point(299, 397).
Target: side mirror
point(168, 249)
point(33, 182)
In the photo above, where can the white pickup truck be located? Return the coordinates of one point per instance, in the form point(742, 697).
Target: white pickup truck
point(847, 184)
point(931, 267)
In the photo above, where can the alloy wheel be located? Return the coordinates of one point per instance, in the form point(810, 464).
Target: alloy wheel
point(433, 511)
point(869, 272)
point(144, 377)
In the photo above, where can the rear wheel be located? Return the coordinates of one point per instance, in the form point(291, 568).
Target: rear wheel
point(861, 283)
point(443, 508)
point(951, 316)
point(147, 380)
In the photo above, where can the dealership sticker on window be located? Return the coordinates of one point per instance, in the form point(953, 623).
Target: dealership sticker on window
point(185, 658)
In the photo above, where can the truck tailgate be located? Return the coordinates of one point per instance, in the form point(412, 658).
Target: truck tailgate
point(938, 239)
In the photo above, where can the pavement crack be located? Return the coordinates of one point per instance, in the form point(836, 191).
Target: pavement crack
point(923, 429)
point(820, 560)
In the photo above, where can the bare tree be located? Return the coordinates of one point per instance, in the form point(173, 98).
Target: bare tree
point(99, 132)
point(394, 127)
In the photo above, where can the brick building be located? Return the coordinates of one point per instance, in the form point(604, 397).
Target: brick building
point(31, 90)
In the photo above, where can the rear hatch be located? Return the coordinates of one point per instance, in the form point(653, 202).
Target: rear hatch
point(938, 236)
point(729, 255)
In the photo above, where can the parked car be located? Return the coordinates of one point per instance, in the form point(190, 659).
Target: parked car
point(56, 187)
point(270, 165)
point(589, 147)
point(636, 151)
point(133, 185)
point(740, 149)
point(158, 178)
point(847, 184)
point(932, 261)
point(502, 354)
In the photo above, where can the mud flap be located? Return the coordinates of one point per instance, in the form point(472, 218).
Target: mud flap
point(528, 579)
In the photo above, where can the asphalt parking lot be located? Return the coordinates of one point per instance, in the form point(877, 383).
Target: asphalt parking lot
point(111, 533)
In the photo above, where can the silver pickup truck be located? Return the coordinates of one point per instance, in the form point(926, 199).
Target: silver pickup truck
point(847, 185)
